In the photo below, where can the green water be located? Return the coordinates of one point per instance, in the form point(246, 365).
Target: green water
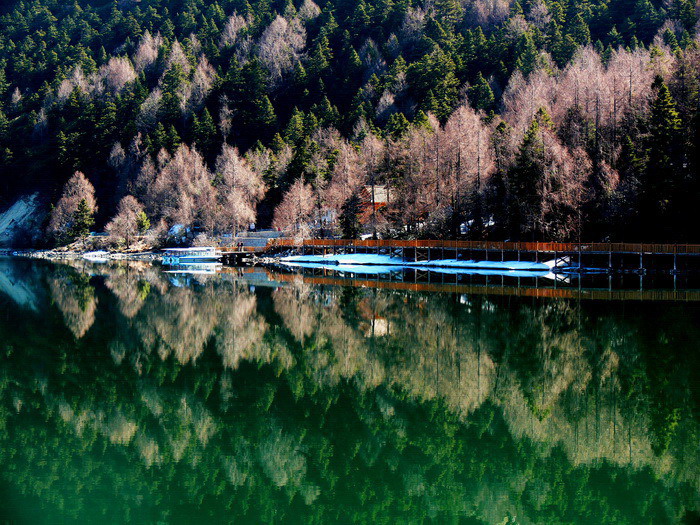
point(128, 395)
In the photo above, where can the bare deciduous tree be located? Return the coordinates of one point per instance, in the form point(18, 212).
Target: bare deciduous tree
point(296, 209)
point(181, 192)
point(77, 188)
point(225, 118)
point(75, 80)
point(177, 56)
point(233, 26)
point(346, 179)
point(239, 189)
point(194, 92)
point(147, 52)
point(115, 74)
point(148, 112)
point(309, 10)
point(124, 226)
point(280, 45)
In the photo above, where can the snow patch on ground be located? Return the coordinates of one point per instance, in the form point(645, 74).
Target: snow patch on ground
point(22, 215)
point(369, 259)
point(378, 269)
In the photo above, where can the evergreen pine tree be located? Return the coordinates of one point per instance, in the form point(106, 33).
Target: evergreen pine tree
point(172, 139)
point(579, 31)
point(664, 170)
point(266, 118)
point(528, 56)
point(480, 94)
point(397, 126)
point(615, 38)
point(204, 133)
point(158, 138)
point(143, 224)
point(294, 131)
point(83, 220)
point(170, 109)
point(350, 218)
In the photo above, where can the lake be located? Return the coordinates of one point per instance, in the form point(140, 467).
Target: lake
point(132, 395)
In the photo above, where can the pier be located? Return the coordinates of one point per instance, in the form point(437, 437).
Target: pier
point(238, 256)
point(636, 257)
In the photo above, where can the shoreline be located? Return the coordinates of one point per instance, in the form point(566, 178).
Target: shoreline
point(367, 261)
point(56, 255)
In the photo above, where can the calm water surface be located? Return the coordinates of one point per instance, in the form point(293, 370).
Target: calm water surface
point(130, 395)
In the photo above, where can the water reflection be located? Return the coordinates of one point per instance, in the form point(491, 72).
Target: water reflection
point(129, 394)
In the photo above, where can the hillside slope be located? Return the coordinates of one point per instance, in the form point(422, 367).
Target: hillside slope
point(104, 87)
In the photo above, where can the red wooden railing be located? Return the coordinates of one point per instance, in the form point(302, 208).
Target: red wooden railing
point(550, 247)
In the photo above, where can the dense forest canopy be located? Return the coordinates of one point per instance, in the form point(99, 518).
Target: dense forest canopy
point(536, 119)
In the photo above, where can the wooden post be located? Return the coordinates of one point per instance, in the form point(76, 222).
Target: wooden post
point(579, 257)
point(675, 267)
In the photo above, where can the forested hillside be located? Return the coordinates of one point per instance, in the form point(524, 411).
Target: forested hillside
point(540, 119)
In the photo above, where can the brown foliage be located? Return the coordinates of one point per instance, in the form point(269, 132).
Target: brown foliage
point(124, 225)
point(76, 189)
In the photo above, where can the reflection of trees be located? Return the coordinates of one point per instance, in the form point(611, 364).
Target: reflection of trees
point(376, 401)
point(555, 377)
point(75, 298)
point(293, 306)
point(240, 331)
point(130, 285)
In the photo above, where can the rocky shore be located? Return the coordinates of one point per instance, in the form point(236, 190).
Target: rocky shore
point(62, 254)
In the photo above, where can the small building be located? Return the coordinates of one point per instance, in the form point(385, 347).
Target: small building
point(368, 213)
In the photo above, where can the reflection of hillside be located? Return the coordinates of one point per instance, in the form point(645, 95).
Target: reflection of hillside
point(16, 288)
point(547, 372)
point(492, 394)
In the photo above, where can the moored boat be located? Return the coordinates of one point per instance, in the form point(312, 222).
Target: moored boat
point(205, 254)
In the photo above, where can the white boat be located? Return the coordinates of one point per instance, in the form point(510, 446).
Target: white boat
point(191, 255)
point(99, 256)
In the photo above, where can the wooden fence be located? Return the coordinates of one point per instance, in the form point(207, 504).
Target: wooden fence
point(549, 247)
